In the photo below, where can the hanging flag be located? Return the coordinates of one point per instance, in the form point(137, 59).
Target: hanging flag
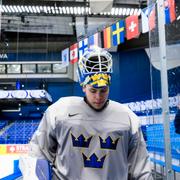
point(132, 27)
point(0, 22)
point(74, 53)
point(118, 33)
point(152, 18)
point(93, 40)
point(65, 57)
point(148, 17)
point(83, 46)
point(107, 37)
point(170, 11)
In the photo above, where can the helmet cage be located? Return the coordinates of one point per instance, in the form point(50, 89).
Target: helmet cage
point(94, 61)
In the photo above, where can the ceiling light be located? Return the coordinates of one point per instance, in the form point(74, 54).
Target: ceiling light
point(90, 11)
point(135, 11)
point(60, 10)
point(87, 10)
point(23, 9)
point(53, 11)
point(75, 10)
point(34, 9)
point(9, 10)
point(37, 9)
point(124, 12)
point(131, 11)
point(19, 8)
point(26, 8)
point(45, 9)
point(30, 9)
point(49, 9)
point(178, 17)
point(82, 10)
point(108, 13)
point(120, 11)
point(116, 11)
point(71, 10)
point(56, 10)
point(139, 12)
point(41, 8)
point(4, 9)
point(112, 11)
point(12, 9)
point(67, 10)
point(64, 10)
point(79, 10)
point(128, 11)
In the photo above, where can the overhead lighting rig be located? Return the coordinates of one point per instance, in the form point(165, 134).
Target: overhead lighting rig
point(65, 10)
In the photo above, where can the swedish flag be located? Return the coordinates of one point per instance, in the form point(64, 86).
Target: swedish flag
point(118, 33)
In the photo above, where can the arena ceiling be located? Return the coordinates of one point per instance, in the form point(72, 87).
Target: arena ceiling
point(52, 25)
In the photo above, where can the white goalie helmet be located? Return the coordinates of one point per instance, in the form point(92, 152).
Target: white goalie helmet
point(95, 67)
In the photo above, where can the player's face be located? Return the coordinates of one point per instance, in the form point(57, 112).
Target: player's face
point(96, 97)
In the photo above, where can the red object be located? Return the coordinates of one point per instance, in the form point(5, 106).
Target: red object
point(74, 53)
point(132, 27)
point(152, 19)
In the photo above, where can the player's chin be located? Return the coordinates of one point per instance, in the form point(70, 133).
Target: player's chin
point(98, 105)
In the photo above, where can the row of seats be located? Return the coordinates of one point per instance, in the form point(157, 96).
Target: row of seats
point(152, 104)
point(19, 132)
point(3, 123)
point(155, 139)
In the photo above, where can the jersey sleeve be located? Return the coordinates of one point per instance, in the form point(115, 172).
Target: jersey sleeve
point(139, 166)
point(43, 144)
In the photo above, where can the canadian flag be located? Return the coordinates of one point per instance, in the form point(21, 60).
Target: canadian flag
point(74, 53)
point(132, 27)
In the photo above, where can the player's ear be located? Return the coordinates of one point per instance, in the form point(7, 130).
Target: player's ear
point(84, 88)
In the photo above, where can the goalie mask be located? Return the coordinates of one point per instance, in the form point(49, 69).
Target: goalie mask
point(95, 68)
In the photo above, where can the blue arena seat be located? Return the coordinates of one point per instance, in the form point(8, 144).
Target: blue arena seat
point(19, 132)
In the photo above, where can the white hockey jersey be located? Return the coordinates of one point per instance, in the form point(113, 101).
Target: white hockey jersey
point(83, 144)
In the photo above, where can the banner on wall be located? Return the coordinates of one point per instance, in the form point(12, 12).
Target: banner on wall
point(14, 149)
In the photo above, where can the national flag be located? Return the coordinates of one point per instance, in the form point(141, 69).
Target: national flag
point(132, 27)
point(65, 57)
point(83, 46)
point(148, 17)
point(118, 33)
point(0, 22)
point(93, 40)
point(170, 11)
point(74, 53)
point(107, 37)
point(152, 18)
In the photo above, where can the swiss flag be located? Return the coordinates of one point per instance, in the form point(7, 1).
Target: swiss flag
point(74, 53)
point(132, 27)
